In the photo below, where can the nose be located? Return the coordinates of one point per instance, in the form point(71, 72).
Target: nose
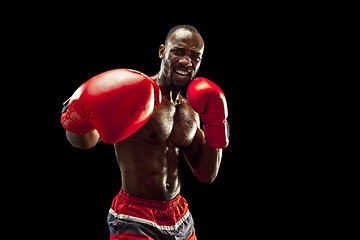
point(186, 61)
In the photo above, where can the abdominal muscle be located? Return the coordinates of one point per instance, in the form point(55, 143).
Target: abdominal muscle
point(148, 170)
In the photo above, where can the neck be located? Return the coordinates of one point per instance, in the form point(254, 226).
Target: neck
point(172, 94)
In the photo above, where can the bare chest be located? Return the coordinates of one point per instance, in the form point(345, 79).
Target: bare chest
point(169, 122)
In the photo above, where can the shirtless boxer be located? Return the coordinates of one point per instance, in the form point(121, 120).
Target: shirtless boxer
point(166, 127)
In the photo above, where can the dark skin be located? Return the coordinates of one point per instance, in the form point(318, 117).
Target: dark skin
point(149, 159)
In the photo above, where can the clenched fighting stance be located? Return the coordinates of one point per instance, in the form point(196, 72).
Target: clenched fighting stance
point(152, 126)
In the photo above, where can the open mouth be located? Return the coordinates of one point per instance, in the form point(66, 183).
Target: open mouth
point(183, 73)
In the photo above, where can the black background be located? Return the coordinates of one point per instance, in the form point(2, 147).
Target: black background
point(256, 56)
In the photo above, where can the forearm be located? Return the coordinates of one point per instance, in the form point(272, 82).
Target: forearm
point(207, 165)
point(204, 160)
point(83, 141)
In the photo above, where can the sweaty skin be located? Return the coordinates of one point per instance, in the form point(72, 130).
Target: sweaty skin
point(149, 159)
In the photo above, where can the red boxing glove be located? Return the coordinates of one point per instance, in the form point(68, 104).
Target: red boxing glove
point(116, 103)
point(207, 99)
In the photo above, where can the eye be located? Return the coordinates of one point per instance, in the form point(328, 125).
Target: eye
point(176, 51)
point(195, 58)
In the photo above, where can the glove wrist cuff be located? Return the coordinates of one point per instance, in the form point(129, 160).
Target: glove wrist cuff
point(217, 136)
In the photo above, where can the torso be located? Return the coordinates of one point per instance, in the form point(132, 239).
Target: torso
point(149, 159)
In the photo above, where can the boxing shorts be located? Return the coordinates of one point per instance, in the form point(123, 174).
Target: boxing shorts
point(131, 217)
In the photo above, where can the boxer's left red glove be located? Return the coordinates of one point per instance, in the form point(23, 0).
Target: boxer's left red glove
point(207, 99)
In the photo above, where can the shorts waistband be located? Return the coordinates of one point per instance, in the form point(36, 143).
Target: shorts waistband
point(126, 198)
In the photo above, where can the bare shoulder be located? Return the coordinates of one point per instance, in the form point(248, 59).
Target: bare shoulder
point(154, 77)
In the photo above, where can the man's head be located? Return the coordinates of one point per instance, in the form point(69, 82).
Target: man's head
point(181, 56)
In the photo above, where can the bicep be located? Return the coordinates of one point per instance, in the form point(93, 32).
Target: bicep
point(83, 141)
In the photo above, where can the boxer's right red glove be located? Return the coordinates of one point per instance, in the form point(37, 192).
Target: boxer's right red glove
point(116, 103)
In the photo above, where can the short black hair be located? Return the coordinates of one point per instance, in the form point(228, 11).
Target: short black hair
point(187, 27)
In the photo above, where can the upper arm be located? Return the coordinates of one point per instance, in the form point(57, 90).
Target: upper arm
point(83, 141)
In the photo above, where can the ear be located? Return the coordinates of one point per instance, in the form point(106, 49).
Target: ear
point(162, 51)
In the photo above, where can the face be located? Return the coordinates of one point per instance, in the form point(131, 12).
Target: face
point(181, 58)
